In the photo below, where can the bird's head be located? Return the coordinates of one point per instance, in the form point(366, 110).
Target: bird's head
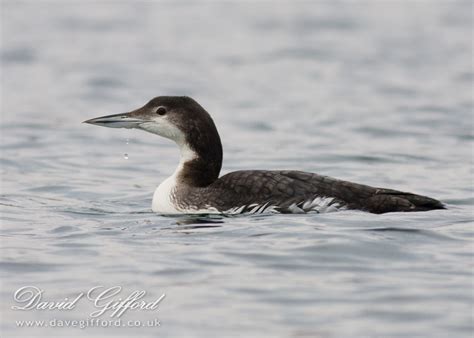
point(178, 118)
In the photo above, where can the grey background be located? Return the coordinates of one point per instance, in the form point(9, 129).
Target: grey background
point(374, 92)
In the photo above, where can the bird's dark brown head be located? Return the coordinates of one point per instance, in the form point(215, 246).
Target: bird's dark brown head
point(181, 119)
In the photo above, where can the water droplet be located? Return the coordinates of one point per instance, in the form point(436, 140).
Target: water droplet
point(127, 141)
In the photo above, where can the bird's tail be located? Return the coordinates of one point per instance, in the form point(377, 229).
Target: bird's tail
point(386, 200)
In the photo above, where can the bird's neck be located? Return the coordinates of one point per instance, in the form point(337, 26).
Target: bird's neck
point(199, 166)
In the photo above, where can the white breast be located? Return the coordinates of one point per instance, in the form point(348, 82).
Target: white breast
point(163, 202)
point(162, 198)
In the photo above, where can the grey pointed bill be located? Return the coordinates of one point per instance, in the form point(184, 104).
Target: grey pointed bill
point(116, 121)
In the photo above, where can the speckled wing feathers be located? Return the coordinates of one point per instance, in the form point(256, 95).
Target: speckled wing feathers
point(270, 188)
point(297, 191)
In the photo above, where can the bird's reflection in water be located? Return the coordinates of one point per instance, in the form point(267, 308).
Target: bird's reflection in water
point(189, 222)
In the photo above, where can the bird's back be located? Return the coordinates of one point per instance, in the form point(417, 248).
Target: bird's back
point(298, 191)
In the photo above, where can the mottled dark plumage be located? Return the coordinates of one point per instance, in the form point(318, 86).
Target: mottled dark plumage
point(286, 188)
point(282, 189)
point(196, 186)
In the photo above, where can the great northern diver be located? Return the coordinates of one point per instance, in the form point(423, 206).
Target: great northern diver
point(195, 186)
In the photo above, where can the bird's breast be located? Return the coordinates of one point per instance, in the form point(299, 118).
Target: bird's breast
point(163, 198)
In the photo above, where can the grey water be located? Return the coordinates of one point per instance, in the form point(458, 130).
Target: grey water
point(375, 93)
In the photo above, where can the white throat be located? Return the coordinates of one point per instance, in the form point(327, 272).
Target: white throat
point(164, 196)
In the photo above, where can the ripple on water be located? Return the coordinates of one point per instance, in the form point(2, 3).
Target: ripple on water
point(318, 86)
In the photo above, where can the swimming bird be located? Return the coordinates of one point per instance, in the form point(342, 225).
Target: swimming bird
point(195, 186)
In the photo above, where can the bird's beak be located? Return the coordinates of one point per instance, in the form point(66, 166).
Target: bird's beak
point(125, 120)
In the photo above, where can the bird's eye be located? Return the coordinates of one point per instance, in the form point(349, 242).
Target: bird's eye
point(161, 111)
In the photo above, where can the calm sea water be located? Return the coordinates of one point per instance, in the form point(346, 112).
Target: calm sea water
point(379, 94)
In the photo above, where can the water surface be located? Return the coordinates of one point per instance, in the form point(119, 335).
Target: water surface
point(376, 94)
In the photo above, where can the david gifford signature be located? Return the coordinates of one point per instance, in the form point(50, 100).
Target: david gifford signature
point(105, 300)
